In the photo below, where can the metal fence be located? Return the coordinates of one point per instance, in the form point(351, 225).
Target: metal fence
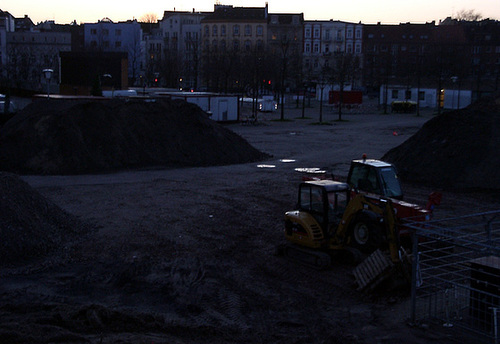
point(456, 275)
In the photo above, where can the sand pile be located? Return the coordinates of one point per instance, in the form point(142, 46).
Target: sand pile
point(30, 225)
point(458, 149)
point(73, 137)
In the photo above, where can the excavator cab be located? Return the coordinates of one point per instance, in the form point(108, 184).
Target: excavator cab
point(321, 205)
point(375, 177)
point(324, 200)
point(327, 220)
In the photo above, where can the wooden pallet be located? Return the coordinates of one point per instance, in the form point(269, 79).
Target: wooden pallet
point(373, 270)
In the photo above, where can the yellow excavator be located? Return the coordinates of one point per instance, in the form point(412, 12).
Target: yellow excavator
point(327, 222)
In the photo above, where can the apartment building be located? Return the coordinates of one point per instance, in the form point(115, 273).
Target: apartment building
point(7, 24)
point(324, 39)
point(236, 29)
point(31, 50)
point(107, 36)
point(181, 34)
point(284, 41)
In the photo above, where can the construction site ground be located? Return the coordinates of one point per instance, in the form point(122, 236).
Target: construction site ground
point(187, 255)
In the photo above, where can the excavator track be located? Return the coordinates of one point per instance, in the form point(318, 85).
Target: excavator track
point(315, 259)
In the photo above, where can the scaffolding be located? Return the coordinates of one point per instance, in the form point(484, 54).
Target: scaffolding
point(456, 275)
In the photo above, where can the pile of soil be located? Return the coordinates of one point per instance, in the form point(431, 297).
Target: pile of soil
point(30, 225)
point(74, 137)
point(458, 149)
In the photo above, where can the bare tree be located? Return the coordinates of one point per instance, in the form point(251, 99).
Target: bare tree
point(468, 15)
point(149, 18)
point(344, 67)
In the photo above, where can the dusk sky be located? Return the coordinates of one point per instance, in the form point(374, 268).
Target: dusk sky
point(366, 11)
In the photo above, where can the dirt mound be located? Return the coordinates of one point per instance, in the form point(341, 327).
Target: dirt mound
point(458, 149)
point(73, 137)
point(31, 226)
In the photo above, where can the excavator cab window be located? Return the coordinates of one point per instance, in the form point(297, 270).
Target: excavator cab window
point(311, 200)
point(337, 202)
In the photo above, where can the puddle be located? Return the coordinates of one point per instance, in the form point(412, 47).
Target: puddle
point(315, 170)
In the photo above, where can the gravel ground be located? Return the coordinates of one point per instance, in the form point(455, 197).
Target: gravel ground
point(186, 255)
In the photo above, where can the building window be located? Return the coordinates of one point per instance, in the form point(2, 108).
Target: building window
point(316, 33)
point(349, 48)
point(248, 45)
point(223, 30)
point(207, 31)
point(214, 30)
point(236, 30)
point(248, 30)
point(260, 30)
point(118, 32)
point(357, 49)
point(327, 35)
point(93, 31)
point(308, 47)
point(105, 32)
point(308, 33)
point(223, 45)
point(236, 45)
point(214, 44)
point(260, 45)
point(339, 35)
point(118, 44)
point(105, 44)
point(316, 48)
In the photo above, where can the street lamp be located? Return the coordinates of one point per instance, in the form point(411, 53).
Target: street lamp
point(47, 73)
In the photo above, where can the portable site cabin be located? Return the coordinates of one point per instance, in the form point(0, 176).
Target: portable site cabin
point(223, 108)
point(426, 97)
point(264, 104)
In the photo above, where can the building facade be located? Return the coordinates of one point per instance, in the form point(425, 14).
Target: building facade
point(7, 24)
point(236, 38)
point(181, 32)
point(107, 36)
point(31, 50)
point(326, 45)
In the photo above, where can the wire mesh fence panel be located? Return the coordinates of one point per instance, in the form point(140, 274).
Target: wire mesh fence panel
point(456, 274)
